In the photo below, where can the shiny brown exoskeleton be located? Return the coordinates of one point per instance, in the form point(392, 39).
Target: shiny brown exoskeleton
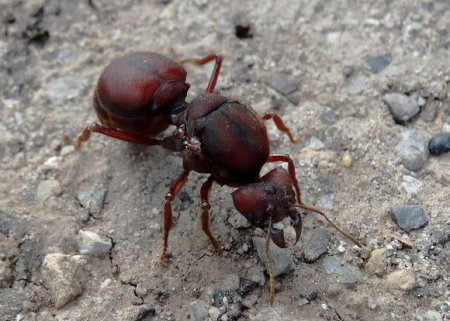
point(270, 204)
point(141, 94)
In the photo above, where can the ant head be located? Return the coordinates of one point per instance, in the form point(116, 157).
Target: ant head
point(270, 202)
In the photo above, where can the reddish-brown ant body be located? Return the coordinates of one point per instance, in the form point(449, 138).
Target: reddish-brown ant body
point(139, 95)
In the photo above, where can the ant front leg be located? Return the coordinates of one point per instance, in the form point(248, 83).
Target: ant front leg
point(291, 168)
point(175, 188)
point(280, 125)
point(114, 133)
point(215, 74)
point(204, 194)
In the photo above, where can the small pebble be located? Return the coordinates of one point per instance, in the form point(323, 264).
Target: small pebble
point(346, 159)
point(92, 198)
point(66, 150)
point(64, 276)
point(47, 189)
point(282, 82)
point(431, 316)
point(317, 245)
point(376, 265)
point(198, 312)
point(412, 150)
point(324, 306)
point(378, 63)
point(214, 313)
point(341, 249)
point(346, 274)
point(92, 244)
point(409, 217)
point(401, 280)
point(402, 107)
point(230, 283)
point(315, 143)
point(439, 144)
point(239, 221)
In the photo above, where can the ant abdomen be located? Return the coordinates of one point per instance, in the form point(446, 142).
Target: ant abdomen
point(138, 92)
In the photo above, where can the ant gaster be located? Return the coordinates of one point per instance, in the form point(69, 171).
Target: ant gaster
point(140, 94)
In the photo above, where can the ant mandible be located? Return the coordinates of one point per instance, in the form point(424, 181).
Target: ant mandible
point(140, 94)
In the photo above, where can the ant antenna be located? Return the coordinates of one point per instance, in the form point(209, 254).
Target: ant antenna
point(312, 209)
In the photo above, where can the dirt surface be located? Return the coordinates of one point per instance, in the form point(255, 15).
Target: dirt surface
point(325, 67)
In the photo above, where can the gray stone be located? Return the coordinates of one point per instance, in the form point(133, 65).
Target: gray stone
point(346, 274)
point(92, 244)
point(214, 313)
point(315, 143)
point(47, 189)
point(198, 312)
point(281, 258)
point(356, 82)
point(402, 107)
point(317, 245)
point(432, 316)
point(409, 217)
point(92, 198)
point(64, 276)
point(282, 82)
point(401, 280)
point(378, 63)
point(412, 150)
point(239, 221)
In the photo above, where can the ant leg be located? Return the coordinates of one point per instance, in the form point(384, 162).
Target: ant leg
point(216, 70)
point(280, 125)
point(131, 138)
point(269, 266)
point(312, 209)
point(204, 194)
point(173, 191)
point(286, 158)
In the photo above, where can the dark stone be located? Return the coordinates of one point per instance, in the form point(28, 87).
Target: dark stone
point(439, 144)
point(378, 63)
point(243, 31)
point(146, 314)
point(246, 285)
point(311, 296)
point(233, 303)
point(409, 217)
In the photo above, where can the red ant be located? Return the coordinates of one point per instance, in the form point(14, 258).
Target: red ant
point(139, 95)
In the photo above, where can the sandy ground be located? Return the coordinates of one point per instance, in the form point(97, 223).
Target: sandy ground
point(325, 67)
